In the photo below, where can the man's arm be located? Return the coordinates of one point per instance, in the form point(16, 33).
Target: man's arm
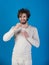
point(35, 39)
point(8, 35)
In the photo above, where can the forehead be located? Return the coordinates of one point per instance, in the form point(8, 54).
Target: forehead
point(22, 14)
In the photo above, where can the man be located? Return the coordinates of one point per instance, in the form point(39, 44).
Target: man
point(25, 36)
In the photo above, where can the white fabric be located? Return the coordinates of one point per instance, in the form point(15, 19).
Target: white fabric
point(22, 50)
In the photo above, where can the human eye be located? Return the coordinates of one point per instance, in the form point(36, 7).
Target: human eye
point(24, 16)
point(19, 16)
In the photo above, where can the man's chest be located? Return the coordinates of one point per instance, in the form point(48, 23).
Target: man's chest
point(28, 30)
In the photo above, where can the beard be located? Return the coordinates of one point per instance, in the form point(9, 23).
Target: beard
point(23, 22)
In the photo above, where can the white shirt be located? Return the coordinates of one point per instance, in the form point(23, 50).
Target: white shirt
point(23, 46)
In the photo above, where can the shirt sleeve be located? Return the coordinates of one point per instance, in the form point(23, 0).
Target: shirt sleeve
point(34, 40)
point(8, 35)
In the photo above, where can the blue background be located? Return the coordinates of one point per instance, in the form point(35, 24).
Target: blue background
point(39, 18)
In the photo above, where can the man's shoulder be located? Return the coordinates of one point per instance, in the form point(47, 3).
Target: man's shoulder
point(15, 25)
point(18, 23)
point(32, 27)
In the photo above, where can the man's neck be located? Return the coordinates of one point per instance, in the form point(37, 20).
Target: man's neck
point(24, 25)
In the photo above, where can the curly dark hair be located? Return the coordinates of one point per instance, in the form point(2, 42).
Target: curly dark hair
point(26, 11)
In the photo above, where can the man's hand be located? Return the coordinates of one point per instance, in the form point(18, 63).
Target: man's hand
point(17, 26)
point(25, 34)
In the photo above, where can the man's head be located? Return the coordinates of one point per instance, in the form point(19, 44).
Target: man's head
point(23, 15)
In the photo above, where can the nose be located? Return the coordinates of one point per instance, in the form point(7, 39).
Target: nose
point(21, 17)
